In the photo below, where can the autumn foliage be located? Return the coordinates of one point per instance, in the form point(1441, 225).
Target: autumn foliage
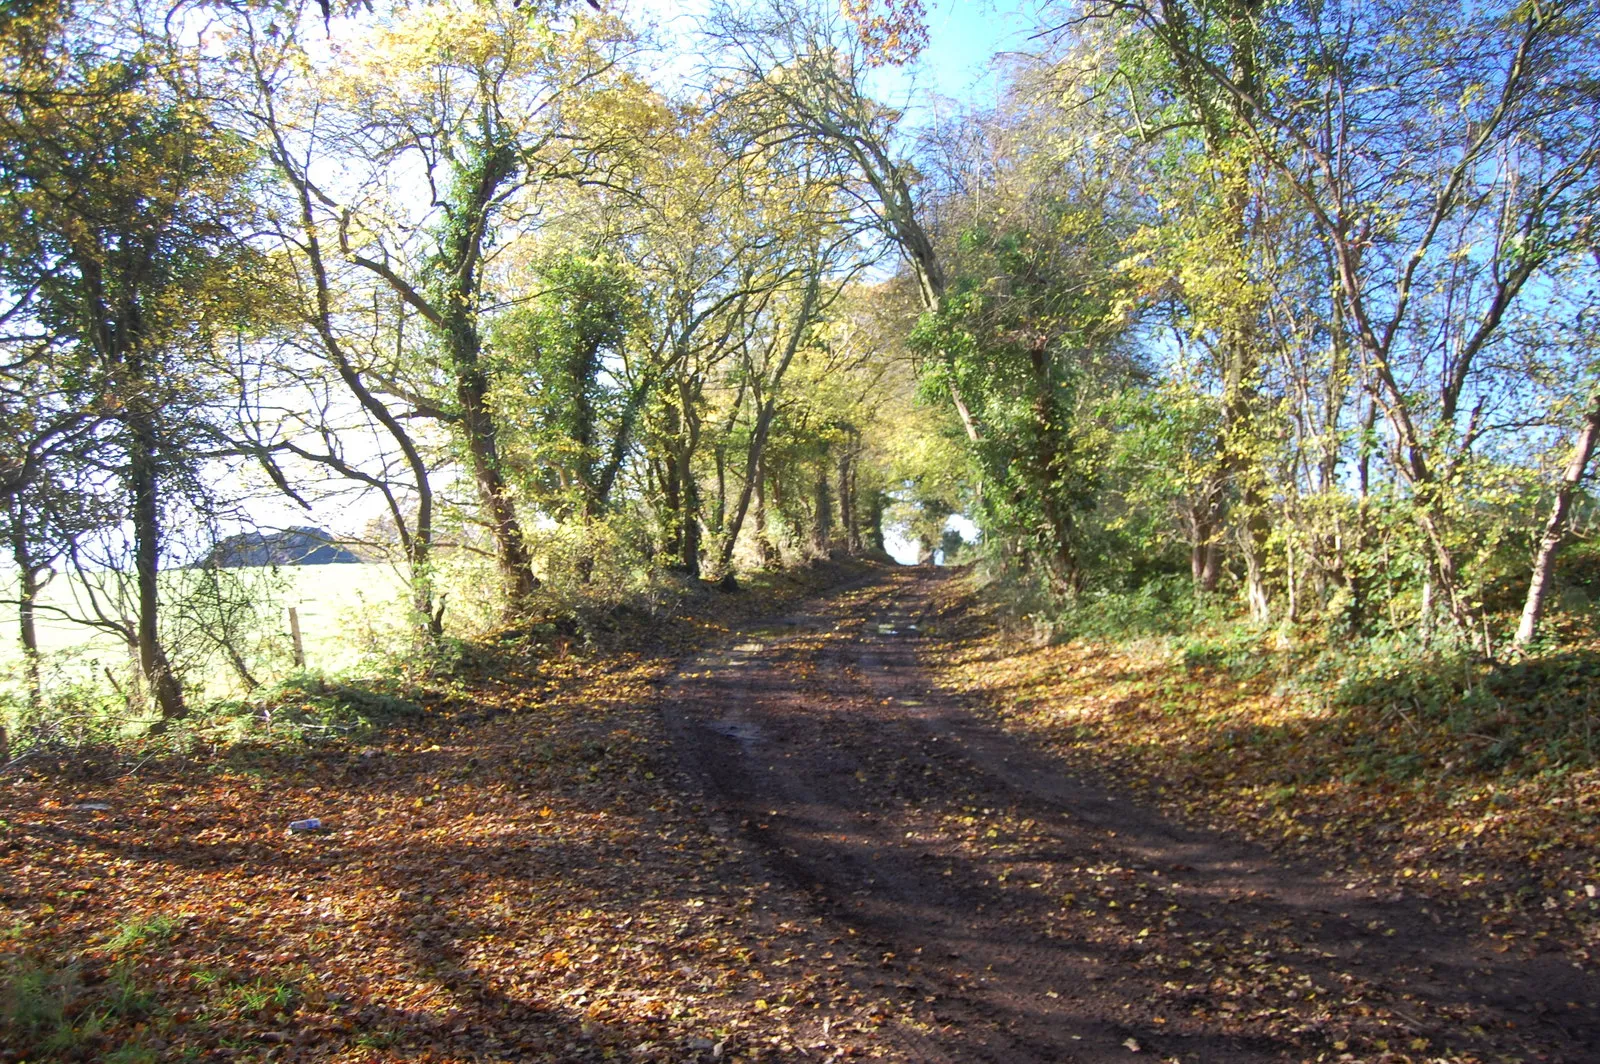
point(893, 31)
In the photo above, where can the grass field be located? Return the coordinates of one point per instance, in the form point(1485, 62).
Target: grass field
point(346, 613)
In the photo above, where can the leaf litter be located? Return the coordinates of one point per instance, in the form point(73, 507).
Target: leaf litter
point(522, 874)
point(526, 872)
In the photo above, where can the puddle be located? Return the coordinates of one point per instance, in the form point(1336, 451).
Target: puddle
point(742, 731)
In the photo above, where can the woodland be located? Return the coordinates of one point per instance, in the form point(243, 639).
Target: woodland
point(1242, 355)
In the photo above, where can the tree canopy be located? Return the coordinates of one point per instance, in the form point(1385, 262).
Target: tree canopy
point(1271, 303)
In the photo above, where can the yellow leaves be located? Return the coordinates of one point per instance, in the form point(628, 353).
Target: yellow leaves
point(470, 36)
point(444, 60)
point(627, 107)
point(892, 31)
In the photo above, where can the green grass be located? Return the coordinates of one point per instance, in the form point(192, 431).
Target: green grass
point(137, 932)
point(228, 995)
point(308, 703)
point(34, 997)
point(353, 621)
point(44, 1007)
point(347, 613)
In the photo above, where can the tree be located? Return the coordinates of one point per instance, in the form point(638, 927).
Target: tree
point(488, 108)
point(1437, 219)
point(1213, 266)
point(127, 258)
point(1031, 226)
point(356, 333)
point(574, 415)
point(1567, 489)
point(800, 71)
point(723, 245)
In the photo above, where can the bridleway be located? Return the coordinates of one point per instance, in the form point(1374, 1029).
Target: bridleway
point(1019, 913)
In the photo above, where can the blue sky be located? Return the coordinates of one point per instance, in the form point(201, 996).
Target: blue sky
point(963, 35)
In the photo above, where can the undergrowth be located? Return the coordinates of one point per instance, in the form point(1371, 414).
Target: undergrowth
point(90, 729)
point(1411, 760)
point(61, 1008)
point(1399, 701)
point(598, 591)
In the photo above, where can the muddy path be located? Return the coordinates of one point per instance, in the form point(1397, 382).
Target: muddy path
point(1020, 914)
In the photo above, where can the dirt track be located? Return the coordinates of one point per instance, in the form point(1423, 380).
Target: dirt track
point(1023, 915)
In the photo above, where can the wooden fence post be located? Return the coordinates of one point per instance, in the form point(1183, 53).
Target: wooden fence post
point(294, 633)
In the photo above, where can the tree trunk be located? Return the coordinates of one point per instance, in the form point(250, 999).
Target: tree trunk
point(456, 318)
point(1205, 526)
point(847, 517)
point(144, 483)
point(765, 407)
point(621, 441)
point(1355, 577)
point(417, 540)
point(719, 514)
point(1288, 577)
point(241, 668)
point(1205, 564)
point(1255, 571)
point(1205, 560)
point(483, 445)
point(118, 335)
point(1431, 518)
point(875, 508)
point(1220, 119)
point(1211, 568)
point(671, 504)
point(1555, 528)
point(853, 526)
point(1240, 462)
point(690, 536)
point(1242, 468)
point(688, 515)
point(822, 514)
point(1048, 467)
point(754, 468)
point(779, 503)
point(766, 551)
point(27, 596)
point(419, 556)
point(1425, 610)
